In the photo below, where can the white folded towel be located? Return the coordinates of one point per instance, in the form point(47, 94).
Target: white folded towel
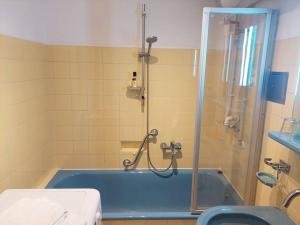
point(28, 211)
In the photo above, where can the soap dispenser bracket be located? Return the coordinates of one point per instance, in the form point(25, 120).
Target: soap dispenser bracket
point(267, 178)
point(280, 166)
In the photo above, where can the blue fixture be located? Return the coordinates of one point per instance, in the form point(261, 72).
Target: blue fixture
point(244, 215)
point(277, 87)
point(267, 179)
point(286, 140)
point(142, 194)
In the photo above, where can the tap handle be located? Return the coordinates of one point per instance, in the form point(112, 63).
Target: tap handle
point(178, 146)
point(164, 146)
point(268, 161)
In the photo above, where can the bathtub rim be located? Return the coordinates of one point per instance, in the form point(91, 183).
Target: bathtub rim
point(136, 215)
point(44, 181)
point(62, 176)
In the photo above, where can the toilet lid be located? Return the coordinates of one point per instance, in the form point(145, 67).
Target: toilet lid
point(83, 202)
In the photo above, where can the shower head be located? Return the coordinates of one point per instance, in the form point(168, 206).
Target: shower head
point(151, 40)
point(153, 132)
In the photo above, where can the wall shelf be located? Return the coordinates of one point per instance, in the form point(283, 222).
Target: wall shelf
point(285, 140)
point(132, 88)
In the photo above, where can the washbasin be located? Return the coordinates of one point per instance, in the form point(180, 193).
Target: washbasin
point(236, 219)
point(244, 215)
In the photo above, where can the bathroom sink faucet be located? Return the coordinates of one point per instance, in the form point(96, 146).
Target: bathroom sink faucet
point(288, 200)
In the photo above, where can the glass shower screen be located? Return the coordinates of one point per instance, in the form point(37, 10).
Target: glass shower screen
point(234, 59)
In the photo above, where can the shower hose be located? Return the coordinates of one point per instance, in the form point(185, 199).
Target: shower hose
point(153, 133)
point(128, 163)
point(160, 170)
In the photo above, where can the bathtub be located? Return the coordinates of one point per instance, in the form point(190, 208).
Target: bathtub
point(142, 194)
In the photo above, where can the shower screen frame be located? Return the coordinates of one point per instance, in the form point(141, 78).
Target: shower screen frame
point(260, 104)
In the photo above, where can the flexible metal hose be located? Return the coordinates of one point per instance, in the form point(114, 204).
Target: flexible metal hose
point(160, 170)
point(150, 163)
point(127, 163)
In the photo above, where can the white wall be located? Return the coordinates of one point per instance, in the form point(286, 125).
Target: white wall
point(288, 26)
point(92, 22)
point(23, 19)
point(177, 23)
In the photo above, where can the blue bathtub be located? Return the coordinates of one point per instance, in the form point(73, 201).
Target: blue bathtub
point(142, 194)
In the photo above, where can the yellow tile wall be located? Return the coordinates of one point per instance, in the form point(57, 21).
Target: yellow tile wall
point(25, 152)
point(69, 107)
point(286, 58)
point(95, 116)
point(172, 103)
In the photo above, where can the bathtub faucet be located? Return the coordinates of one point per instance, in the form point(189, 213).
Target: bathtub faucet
point(127, 162)
point(174, 147)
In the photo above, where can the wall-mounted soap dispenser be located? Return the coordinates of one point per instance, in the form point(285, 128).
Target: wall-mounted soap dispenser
point(134, 80)
point(133, 83)
point(267, 178)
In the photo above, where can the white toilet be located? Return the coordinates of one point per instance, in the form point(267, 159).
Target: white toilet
point(85, 203)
